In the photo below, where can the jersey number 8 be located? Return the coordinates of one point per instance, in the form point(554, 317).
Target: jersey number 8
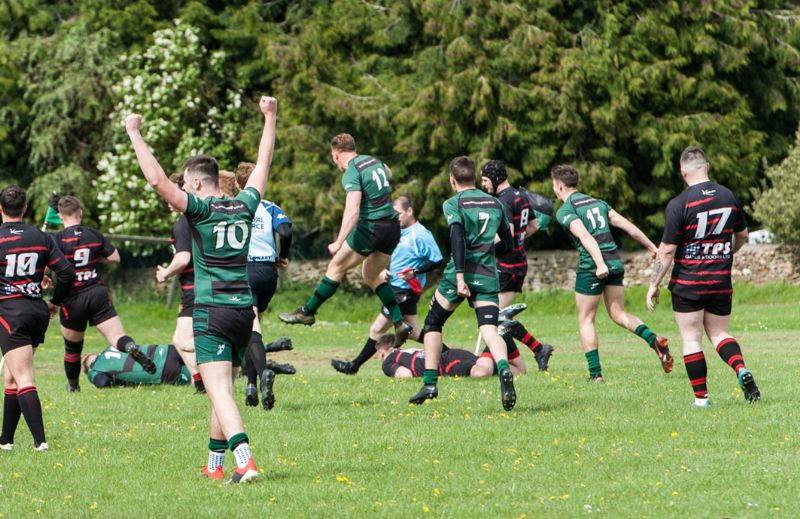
point(226, 231)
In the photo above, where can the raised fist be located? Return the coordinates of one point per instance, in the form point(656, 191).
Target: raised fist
point(268, 105)
point(133, 122)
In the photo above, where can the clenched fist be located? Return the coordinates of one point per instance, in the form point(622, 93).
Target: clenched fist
point(268, 105)
point(133, 122)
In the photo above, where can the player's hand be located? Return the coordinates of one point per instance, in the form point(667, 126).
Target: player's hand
point(268, 105)
point(53, 309)
point(47, 283)
point(282, 263)
point(334, 247)
point(462, 289)
point(406, 274)
point(602, 271)
point(133, 123)
point(653, 252)
point(385, 275)
point(653, 295)
point(161, 274)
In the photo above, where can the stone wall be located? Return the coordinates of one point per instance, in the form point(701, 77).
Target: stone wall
point(556, 268)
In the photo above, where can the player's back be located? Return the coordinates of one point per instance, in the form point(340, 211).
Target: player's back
point(267, 218)
point(84, 248)
point(518, 212)
point(593, 213)
point(25, 251)
point(370, 176)
point(125, 370)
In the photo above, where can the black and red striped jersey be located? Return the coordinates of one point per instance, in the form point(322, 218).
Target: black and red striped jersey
point(84, 247)
point(181, 241)
point(701, 221)
point(453, 362)
point(25, 251)
point(519, 213)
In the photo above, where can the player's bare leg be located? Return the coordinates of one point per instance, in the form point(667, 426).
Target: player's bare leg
point(615, 305)
point(371, 270)
point(114, 333)
point(19, 379)
point(716, 327)
point(690, 325)
point(587, 312)
point(183, 340)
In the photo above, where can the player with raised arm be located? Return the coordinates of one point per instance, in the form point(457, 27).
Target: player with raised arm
point(415, 255)
point(111, 368)
point(475, 218)
point(25, 252)
point(513, 265)
point(368, 235)
point(600, 269)
point(223, 313)
point(89, 301)
point(705, 226)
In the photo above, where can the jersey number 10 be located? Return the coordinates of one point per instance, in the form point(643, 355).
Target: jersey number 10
point(226, 231)
point(21, 264)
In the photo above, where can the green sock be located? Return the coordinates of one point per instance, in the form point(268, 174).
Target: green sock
point(326, 288)
point(430, 377)
point(593, 360)
point(502, 365)
point(236, 439)
point(217, 445)
point(386, 295)
point(646, 333)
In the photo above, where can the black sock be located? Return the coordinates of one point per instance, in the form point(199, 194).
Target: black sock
point(198, 382)
point(72, 361)
point(124, 343)
point(730, 351)
point(11, 414)
point(697, 371)
point(255, 356)
point(366, 353)
point(32, 411)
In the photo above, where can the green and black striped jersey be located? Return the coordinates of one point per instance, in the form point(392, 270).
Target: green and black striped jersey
point(593, 214)
point(115, 368)
point(220, 241)
point(369, 175)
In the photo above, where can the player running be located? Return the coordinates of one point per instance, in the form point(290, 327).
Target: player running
point(512, 266)
point(600, 269)
point(415, 255)
point(89, 301)
point(223, 313)
point(705, 226)
point(114, 368)
point(369, 233)
point(25, 251)
point(475, 218)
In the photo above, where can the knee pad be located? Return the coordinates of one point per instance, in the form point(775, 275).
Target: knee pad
point(487, 315)
point(436, 317)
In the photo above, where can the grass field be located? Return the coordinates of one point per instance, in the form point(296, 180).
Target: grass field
point(351, 446)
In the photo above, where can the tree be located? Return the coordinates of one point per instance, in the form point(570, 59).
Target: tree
point(778, 206)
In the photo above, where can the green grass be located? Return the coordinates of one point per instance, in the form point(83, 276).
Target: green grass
point(351, 446)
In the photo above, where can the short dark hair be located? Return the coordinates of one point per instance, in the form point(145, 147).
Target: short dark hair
point(12, 200)
point(343, 142)
point(385, 340)
point(69, 205)
point(177, 179)
point(203, 165)
point(566, 174)
point(462, 169)
point(405, 202)
point(693, 154)
point(243, 172)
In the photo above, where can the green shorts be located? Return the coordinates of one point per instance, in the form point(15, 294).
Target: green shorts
point(448, 290)
point(588, 284)
point(221, 334)
point(375, 235)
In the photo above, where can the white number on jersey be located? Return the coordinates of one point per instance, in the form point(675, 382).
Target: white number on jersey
point(81, 257)
point(21, 264)
point(600, 222)
point(483, 217)
point(226, 231)
point(702, 222)
point(378, 175)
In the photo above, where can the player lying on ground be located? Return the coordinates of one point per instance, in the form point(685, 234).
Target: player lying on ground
point(368, 235)
point(89, 301)
point(24, 316)
point(223, 313)
point(600, 269)
point(111, 367)
point(475, 219)
point(705, 226)
point(415, 255)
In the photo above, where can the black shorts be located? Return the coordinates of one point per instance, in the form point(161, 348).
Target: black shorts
point(510, 281)
point(263, 278)
point(406, 300)
point(716, 305)
point(23, 321)
point(375, 236)
point(173, 365)
point(187, 303)
point(92, 305)
point(457, 363)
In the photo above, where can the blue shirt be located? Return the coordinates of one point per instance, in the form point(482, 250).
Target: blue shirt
point(415, 248)
point(262, 241)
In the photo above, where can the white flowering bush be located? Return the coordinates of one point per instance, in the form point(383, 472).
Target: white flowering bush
point(188, 107)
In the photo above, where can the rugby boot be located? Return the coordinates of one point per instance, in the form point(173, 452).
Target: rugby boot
point(344, 366)
point(299, 316)
point(598, 379)
point(661, 347)
point(281, 369)
point(6, 446)
point(510, 311)
point(426, 393)
point(749, 387)
point(267, 395)
point(401, 332)
point(543, 357)
point(73, 388)
point(251, 395)
point(282, 344)
point(508, 395)
point(42, 447)
point(247, 473)
point(511, 328)
point(701, 403)
point(143, 360)
point(217, 475)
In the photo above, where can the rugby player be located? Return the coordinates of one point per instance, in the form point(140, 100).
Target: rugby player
point(25, 251)
point(368, 234)
point(115, 368)
point(475, 218)
point(415, 255)
point(600, 269)
point(705, 226)
point(89, 301)
point(513, 265)
point(223, 313)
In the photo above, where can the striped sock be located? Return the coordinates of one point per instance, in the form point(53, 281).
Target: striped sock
point(324, 291)
point(646, 333)
point(593, 362)
point(696, 369)
point(430, 377)
point(386, 295)
point(242, 454)
point(730, 352)
point(216, 453)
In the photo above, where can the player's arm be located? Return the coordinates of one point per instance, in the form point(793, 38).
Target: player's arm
point(258, 178)
point(152, 170)
point(532, 226)
point(402, 372)
point(665, 255)
point(284, 232)
point(65, 275)
point(506, 239)
point(458, 244)
point(620, 222)
point(111, 258)
point(580, 232)
point(100, 379)
point(352, 211)
point(740, 240)
point(179, 262)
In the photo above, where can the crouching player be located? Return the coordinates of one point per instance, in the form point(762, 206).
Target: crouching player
point(111, 367)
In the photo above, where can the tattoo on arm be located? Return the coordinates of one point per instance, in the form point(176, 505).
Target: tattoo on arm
point(657, 268)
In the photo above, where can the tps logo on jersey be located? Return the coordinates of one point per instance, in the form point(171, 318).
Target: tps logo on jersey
point(692, 249)
point(220, 349)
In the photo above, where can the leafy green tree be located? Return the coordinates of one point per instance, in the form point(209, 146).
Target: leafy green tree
point(778, 206)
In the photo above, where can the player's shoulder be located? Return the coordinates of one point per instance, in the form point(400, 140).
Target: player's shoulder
point(249, 194)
